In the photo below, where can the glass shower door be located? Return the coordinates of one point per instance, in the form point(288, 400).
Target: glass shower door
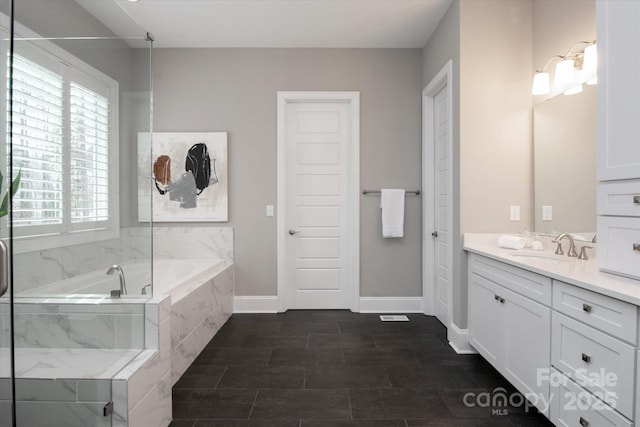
point(7, 373)
point(70, 322)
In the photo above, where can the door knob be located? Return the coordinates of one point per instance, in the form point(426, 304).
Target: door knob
point(292, 232)
point(434, 234)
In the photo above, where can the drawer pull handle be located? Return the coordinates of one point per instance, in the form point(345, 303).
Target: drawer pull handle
point(583, 422)
point(636, 247)
point(586, 308)
point(636, 200)
point(586, 358)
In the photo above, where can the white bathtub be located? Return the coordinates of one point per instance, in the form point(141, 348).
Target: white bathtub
point(175, 277)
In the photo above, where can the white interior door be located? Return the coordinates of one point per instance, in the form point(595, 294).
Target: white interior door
point(317, 245)
point(441, 262)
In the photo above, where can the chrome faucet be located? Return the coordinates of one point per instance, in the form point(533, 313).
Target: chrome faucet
point(123, 285)
point(572, 246)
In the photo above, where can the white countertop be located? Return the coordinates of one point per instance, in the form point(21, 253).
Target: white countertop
point(584, 274)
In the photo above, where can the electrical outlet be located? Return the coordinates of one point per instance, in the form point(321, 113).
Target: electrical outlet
point(547, 213)
point(269, 210)
point(515, 213)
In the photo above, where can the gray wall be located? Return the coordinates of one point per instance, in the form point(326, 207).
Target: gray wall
point(234, 90)
point(490, 44)
point(444, 45)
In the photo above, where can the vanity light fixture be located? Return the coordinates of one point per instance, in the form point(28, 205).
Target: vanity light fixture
point(576, 67)
point(590, 60)
point(565, 72)
point(540, 83)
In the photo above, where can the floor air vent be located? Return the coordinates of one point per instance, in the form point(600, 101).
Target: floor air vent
point(390, 318)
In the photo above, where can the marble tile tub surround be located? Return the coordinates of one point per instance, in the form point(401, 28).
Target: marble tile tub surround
point(69, 261)
point(41, 402)
point(134, 243)
point(74, 325)
point(584, 274)
point(142, 390)
point(197, 317)
point(175, 334)
point(193, 242)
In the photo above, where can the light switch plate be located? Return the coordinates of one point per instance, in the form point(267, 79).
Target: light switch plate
point(269, 210)
point(515, 213)
point(547, 213)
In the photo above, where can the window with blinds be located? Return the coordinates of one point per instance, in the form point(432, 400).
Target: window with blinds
point(61, 146)
point(89, 147)
point(37, 145)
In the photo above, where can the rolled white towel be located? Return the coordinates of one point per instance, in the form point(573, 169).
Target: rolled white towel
point(511, 242)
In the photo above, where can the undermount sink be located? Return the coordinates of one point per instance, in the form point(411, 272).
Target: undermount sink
point(541, 255)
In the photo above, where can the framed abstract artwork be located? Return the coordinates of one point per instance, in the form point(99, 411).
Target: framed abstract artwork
point(188, 180)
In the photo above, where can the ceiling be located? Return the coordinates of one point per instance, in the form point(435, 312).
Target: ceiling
point(273, 23)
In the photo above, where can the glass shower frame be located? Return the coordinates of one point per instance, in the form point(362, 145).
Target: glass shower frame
point(89, 331)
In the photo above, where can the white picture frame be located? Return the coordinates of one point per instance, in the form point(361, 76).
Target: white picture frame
point(184, 193)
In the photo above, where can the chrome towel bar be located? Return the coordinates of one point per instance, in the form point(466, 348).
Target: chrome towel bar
point(365, 192)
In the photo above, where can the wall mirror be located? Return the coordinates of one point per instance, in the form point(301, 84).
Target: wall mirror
point(565, 163)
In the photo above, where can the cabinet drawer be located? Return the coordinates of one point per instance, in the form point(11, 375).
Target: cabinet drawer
point(619, 245)
point(619, 198)
point(573, 406)
point(602, 364)
point(610, 315)
point(526, 283)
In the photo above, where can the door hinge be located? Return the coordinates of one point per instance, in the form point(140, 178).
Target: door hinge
point(108, 409)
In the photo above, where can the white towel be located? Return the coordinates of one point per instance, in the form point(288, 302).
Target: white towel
point(511, 242)
point(392, 204)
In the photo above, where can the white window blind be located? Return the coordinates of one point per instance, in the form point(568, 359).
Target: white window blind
point(64, 143)
point(37, 144)
point(89, 123)
point(60, 145)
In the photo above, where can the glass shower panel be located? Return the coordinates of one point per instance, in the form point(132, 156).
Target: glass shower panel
point(7, 383)
point(81, 258)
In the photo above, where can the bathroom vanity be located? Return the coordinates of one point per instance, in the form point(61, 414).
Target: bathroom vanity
point(562, 332)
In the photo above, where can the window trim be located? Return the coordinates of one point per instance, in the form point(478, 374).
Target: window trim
point(79, 233)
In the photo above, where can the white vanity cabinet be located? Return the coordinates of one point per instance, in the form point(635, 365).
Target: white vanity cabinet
point(618, 159)
point(618, 33)
point(594, 343)
point(557, 342)
point(509, 329)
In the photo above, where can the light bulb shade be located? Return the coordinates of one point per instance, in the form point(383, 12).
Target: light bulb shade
point(573, 90)
point(540, 84)
point(564, 72)
point(590, 62)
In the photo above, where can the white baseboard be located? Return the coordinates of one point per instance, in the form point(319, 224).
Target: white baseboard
point(269, 304)
point(255, 304)
point(390, 304)
point(459, 340)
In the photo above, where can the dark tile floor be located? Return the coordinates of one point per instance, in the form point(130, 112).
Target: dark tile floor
point(338, 369)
